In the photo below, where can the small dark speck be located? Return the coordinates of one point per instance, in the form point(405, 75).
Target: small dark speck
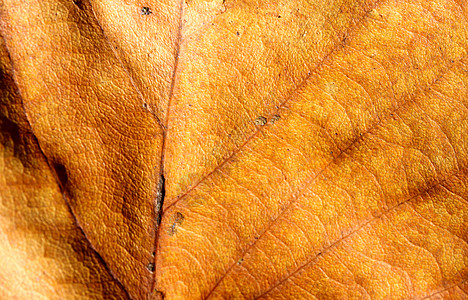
point(145, 11)
point(150, 267)
point(240, 261)
point(274, 119)
point(261, 121)
point(279, 17)
point(178, 220)
point(78, 3)
point(237, 33)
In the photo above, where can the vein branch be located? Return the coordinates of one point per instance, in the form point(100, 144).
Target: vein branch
point(126, 69)
point(159, 204)
point(312, 180)
point(290, 96)
point(57, 178)
point(352, 233)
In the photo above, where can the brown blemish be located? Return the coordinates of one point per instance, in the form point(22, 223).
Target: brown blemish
point(260, 121)
point(61, 173)
point(79, 4)
point(150, 267)
point(177, 220)
point(161, 192)
point(274, 119)
point(144, 11)
point(159, 295)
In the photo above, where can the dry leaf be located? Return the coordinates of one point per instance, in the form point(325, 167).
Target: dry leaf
point(234, 149)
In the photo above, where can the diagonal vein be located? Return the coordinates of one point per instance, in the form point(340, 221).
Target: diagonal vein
point(163, 125)
point(311, 180)
point(126, 70)
point(446, 289)
point(352, 233)
point(290, 96)
point(164, 141)
point(56, 178)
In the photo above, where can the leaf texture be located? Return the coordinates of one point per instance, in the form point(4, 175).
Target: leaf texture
point(44, 254)
point(302, 149)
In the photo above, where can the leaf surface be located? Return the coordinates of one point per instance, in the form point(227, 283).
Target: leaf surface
point(302, 149)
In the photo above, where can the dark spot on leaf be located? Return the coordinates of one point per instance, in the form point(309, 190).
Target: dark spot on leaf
point(177, 220)
point(274, 119)
point(145, 11)
point(78, 3)
point(260, 121)
point(159, 295)
point(150, 267)
point(160, 195)
point(61, 173)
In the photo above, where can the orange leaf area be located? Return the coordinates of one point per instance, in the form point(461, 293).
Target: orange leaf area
point(218, 149)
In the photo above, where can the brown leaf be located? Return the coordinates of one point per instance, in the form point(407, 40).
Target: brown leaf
point(234, 149)
point(43, 253)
